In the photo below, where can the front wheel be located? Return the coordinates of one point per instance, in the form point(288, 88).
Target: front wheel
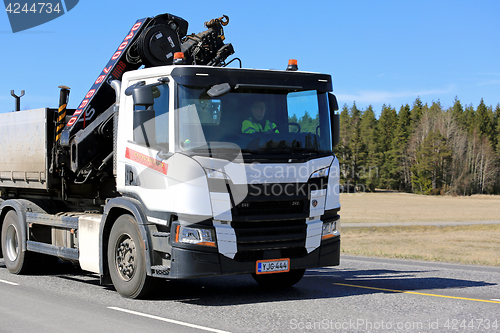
point(279, 280)
point(17, 261)
point(126, 259)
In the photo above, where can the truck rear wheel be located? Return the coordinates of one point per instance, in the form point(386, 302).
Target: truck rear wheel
point(126, 259)
point(17, 261)
point(279, 280)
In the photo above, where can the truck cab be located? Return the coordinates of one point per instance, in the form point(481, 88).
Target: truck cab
point(231, 199)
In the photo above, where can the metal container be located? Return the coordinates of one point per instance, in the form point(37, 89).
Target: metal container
point(24, 148)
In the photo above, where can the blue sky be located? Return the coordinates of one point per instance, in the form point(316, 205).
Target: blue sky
point(376, 51)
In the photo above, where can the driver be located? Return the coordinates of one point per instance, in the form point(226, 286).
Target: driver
point(257, 123)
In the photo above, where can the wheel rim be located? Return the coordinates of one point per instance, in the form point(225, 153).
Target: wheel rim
point(11, 243)
point(125, 257)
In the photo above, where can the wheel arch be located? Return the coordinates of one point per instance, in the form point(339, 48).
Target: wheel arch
point(5, 207)
point(115, 208)
point(20, 206)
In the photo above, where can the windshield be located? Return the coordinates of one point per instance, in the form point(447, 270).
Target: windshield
point(257, 122)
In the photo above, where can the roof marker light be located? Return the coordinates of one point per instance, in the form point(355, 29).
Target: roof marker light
point(292, 65)
point(179, 58)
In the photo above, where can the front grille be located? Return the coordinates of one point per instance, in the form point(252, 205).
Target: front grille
point(265, 200)
point(255, 238)
point(249, 208)
point(287, 205)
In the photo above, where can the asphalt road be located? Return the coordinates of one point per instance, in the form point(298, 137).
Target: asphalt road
point(363, 294)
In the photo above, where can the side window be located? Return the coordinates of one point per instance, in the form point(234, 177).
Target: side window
point(151, 124)
point(303, 110)
point(161, 115)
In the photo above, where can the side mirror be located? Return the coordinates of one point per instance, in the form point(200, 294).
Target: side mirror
point(334, 119)
point(144, 119)
point(143, 96)
point(334, 106)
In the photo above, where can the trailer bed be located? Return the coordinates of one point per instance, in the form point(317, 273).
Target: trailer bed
point(24, 145)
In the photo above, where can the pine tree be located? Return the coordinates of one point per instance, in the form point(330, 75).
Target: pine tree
point(386, 124)
point(497, 128)
point(433, 158)
point(370, 174)
point(469, 118)
point(400, 165)
point(307, 124)
point(483, 120)
point(357, 148)
point(342, 150)
point(435, 110)
point(416, 113)
point(497, 146)
point(345, 126)
point(458, 113)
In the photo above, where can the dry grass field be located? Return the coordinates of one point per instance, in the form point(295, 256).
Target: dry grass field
point(403, 207)
point(471, 244)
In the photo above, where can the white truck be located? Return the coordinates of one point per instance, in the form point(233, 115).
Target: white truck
point(154, 175)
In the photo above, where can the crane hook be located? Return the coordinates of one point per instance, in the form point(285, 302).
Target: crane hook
point(223, 20)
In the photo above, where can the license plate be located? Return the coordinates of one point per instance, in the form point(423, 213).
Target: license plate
point(273, 266)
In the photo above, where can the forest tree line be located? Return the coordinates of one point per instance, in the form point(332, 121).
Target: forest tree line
point(421, 149)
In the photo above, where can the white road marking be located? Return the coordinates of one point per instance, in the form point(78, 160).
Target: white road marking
point(8, 282)
point(496, 299)
point(208, 329)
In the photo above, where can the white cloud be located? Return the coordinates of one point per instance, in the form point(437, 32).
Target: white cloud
point(488, 83)
point(388, 97)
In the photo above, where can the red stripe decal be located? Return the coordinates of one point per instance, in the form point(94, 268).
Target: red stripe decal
point(146, 160)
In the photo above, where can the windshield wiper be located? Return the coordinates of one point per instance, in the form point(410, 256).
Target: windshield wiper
point(289, 149)
point(219, 150)
point(251, 151)
point(280, 151)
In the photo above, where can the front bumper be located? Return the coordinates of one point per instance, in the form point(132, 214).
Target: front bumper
point(187, 263)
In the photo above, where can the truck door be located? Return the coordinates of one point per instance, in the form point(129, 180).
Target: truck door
point(144, 146)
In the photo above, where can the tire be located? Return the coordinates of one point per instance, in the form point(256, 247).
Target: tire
point(126, 259)
point(279, 280)
point(17, 261)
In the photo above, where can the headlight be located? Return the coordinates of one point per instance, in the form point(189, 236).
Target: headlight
point(330, 229)
point(196, 236)
point(321, 173)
